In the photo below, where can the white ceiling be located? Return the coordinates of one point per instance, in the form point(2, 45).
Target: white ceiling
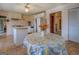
point(35, 7)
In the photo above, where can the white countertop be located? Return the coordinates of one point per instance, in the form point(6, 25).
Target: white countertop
point(20, 27)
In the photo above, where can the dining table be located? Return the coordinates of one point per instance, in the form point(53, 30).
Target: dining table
point(47, 44)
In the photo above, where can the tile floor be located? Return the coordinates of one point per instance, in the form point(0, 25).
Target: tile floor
point(72, 47)
point(7, 47)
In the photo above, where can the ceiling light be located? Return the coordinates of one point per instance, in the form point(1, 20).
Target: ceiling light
point(26, 10)
point(27, 6)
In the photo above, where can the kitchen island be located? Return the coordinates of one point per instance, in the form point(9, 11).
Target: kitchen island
point(19, 34)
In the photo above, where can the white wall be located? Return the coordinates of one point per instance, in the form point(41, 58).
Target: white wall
point(74, 24)
point(64, 27)
point(40, 19)
point(28, 18)
point(11, 22)
point(10, 15)
point(64, 9)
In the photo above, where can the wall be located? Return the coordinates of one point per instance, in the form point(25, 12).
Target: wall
point(38, 19)
point(10, 23)
point(28, 18)
point(74, 24)
point(22, 21)
point(9, 16)
point(64, 9)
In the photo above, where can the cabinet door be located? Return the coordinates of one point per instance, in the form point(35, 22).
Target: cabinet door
point(74, 24)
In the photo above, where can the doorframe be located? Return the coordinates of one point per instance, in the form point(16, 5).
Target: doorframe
point(51, 31)
point(54, 19)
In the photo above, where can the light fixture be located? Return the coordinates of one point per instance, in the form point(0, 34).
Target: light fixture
point(27, 7)
point(26, 10)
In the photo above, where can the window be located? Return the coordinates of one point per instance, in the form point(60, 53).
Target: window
point(2, 24)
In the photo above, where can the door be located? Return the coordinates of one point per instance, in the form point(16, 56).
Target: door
point(51, 23)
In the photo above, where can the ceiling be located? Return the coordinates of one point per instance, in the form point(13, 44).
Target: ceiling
point(34, 7)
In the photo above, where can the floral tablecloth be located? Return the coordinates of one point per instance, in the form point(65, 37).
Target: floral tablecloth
point(49, 44)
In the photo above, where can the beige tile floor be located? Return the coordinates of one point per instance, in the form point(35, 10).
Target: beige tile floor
point(72, 47)
point(7, 47)
point(6, 41)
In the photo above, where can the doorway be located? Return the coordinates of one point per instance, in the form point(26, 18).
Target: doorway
point(55, 22)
